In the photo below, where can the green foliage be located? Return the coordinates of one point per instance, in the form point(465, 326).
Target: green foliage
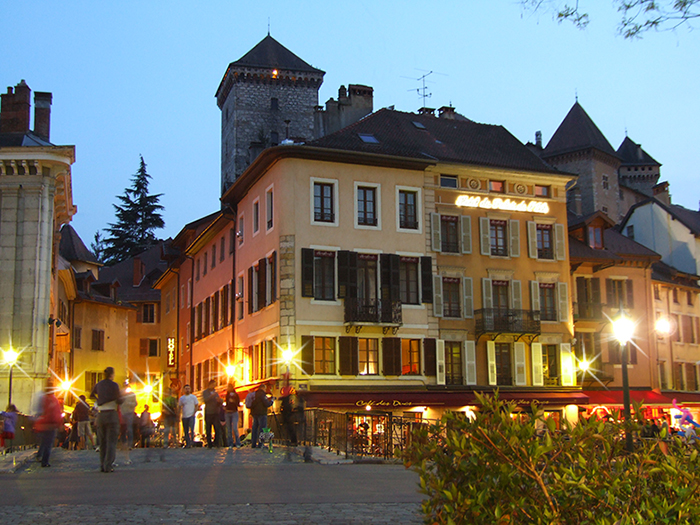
point(138, 216)
point(496, 469)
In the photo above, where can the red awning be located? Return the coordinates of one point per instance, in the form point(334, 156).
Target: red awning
point(615, 397)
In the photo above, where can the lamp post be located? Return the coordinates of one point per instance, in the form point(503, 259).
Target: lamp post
point(10, 357)
point(623, 327)
point(287, 356)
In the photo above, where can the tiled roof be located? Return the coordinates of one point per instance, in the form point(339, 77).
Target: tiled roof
point(661, 271)
point(632, 154)
point(124, 273)
point(425, 137)
point(577, 132)
point(72, 247)
point(626, 247)
point(689, 218)
point(579, 250)
point(269, 53)
point(25, 139)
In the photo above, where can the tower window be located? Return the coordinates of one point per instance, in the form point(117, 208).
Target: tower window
point(274, 104)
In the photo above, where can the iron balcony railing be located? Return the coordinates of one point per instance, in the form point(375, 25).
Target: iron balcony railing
point(507, 320)
point(372, 311)
point(588, 310)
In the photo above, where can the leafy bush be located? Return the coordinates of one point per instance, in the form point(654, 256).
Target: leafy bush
point(496, 469)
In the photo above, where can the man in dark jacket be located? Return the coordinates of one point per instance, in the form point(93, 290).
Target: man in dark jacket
point(107, 394)
point(258, 411)
point(212, 405)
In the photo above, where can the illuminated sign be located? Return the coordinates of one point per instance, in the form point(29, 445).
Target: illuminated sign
point(475, 201)
point(384, 403)
point(171, 351)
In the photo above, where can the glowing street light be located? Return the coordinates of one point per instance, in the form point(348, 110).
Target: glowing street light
point(10, 356)
point(623, 328)
point(287, 356)
point(584, 365)
point(663, 326)
point(230, 371)
point(148, 388)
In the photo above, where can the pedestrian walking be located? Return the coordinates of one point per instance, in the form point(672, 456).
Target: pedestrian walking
point(258, 411)
point(189, 404)
point(108, 398)
point(288, 413)
point(168, 417)
point(145, 427)
point(81, 417)
point(47, 424)
point(9, 422)
point(212, 405)
point(233, 401)
point(127, 411)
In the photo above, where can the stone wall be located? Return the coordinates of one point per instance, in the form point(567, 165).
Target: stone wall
point(287, 290)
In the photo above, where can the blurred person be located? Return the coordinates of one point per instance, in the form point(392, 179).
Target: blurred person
point(258, 411)
point(145, 427)
point(288, 413)
point(212, 404)
point(108, 398)
point(47, 423)
point(189, 404)
point(9, 418)
point(81, 416)
point(128, 415)
point(168, 417)
point(233, 401)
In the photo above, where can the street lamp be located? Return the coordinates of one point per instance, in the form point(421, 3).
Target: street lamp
point(287, 356)
point(623, 328)
point(10, 357)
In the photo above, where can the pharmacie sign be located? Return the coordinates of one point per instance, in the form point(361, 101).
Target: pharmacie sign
point(487, 203)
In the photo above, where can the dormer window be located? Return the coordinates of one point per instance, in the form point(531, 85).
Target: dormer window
point(595, 237)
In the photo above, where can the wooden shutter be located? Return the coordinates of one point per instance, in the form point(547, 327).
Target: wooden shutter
point(536, 351)
point(466, 227)
point(520, 372)
point(156, 310)
point(262, 283)
point(440, 361)
point(429, 361)
point(609, 294)
point(349, 364)
point(470, 362)
point(390, 273)
point(486, 293)
point(468, 288)
point(143, 346)
point(629, 288)
point(437, 296)
point(491, 355)
point(595, 291)
point(391, 356)
point(560, 241)
point(516, 295)
point(139, 313)
point(567, 372)
point(307, 272)
point(250, 290)
point(534, 295)
point(435, 232)
point(514, 231)
point(307, 354)
point(532, 239)
point(485, 235)
point(273, 277)
point(426, 279)
point(563, 293)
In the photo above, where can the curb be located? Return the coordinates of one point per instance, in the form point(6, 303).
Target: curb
point(12, 462)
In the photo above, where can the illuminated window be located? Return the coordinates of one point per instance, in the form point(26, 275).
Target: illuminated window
point(497, 186)
point(410, 356)
point(369, 356)
point(543, 191)
point(595, 237)
point(324, 352)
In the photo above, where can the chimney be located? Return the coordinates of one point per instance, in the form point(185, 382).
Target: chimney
point(447, 112)
point(138, 271)
point(661, 193)
point(14, 109)
point(427, 111)
point(42, 114)
point(538, 139)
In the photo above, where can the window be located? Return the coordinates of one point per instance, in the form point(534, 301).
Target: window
point(499, 295)
point(98, 340)
point(690, 298)
point(91, 379)
point(153, 348)
point(324, 355)
point(189, 293)
point(605, 210)
point(410, 356)
point(205, 264)
point(366, 206)
point(408, 214)
point(368, 350)
point(504, 375)
point(323, 202)
point(451, 297)
point(274, 138)
point(448, 181)
point(274, 104)
point(241, 229)
point(197, 269)
point(545, 248)
point(148, 313)
point(256, 217)
point(324, 275)
point(497, 186)
point(543, 191)
point(620, 292)
point(213, 256)
point(77, 337)
point(453, 363)
point(166, 300)
point(588, 348)
point(663, 381)
point(657, 292)
point(691, 377)
point(231, 237)
point(630, 232)
point(239, 297)
point(550, 369)
point(408, 280)
point(595, 237)
point(367, 278)
point(499, 245)
point(548, 305)
point(675, 296)
point(678, 376)
point(606, 184)
point(449, 233)
point(269, 208)
point(368, 138)
point(222, 250)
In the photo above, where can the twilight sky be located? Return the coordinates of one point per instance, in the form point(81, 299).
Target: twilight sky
point(134, 77)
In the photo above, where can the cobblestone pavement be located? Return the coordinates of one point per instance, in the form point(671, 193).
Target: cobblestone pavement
point(199, 486)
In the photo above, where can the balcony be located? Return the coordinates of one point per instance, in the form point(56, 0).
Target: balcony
point(507, 321)
point(588, 311)
point(358, 311)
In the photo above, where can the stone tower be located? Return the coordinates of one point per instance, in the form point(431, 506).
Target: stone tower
point(265, 97)
point(638, 170)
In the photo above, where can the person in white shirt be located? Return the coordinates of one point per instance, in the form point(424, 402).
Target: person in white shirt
point(189, 404)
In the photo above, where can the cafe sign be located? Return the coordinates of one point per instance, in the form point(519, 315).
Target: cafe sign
point(487, 203)
point(171, 352)
point(383, 403)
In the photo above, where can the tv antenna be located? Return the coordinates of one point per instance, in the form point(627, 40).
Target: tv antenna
point(423, 91)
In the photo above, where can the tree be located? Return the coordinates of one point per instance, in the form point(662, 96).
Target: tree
point(638, 16)
point(138, 216)
point(97, 246)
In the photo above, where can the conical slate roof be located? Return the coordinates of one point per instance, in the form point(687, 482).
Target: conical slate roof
point(269, 53)
point(72, 248)
point(577, 132)
point(632, 154)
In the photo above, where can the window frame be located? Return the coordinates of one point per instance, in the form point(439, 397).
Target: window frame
point(451, 309)
point(318, 259)
point(370, 353)
point(450, 224)
point(256, 216)
point(329, 355)
point(151, 317)
point(418, 209)
point(377, 191)
point(496, 226)
point(335, 204)
point(269, 208)
point(405, 291)
point(408, 353)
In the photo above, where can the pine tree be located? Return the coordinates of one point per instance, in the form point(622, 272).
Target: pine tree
point(97, 246)
point(138, 216)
